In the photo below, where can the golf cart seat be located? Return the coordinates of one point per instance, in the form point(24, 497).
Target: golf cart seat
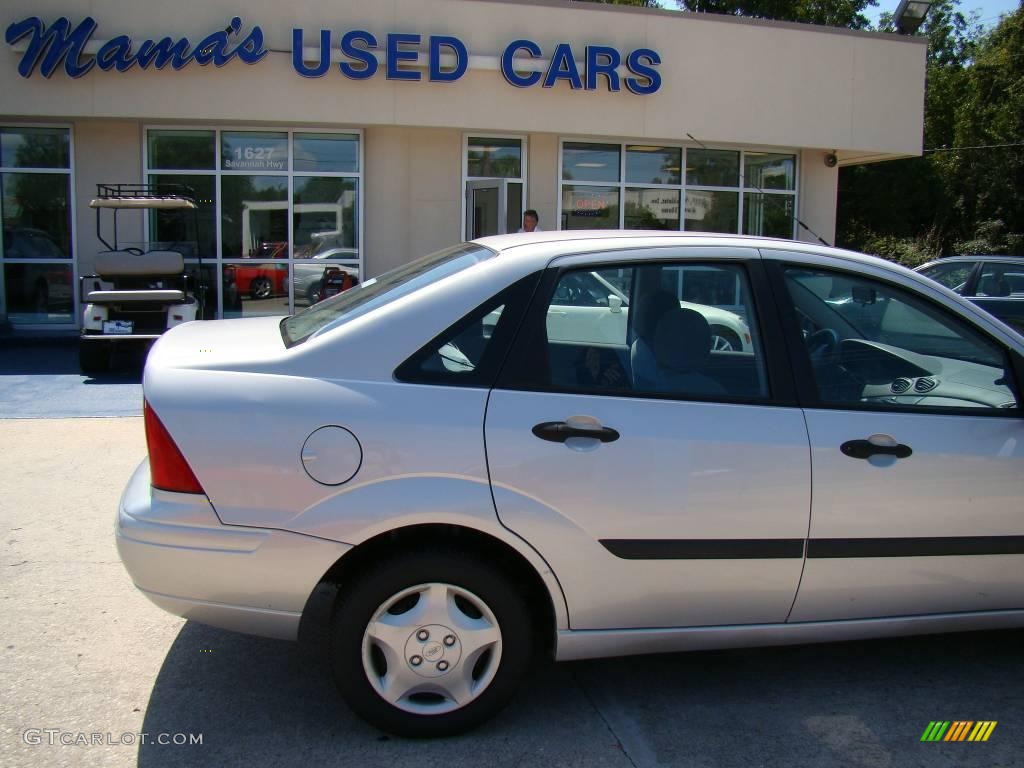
point(152, 264)
point(127, 297)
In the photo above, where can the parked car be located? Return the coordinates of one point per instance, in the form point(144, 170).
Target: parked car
point(258, 281)
point(994, 283)
point(474, 494)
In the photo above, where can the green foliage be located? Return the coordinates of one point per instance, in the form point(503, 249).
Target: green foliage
point(830, 13)
point(964, 194)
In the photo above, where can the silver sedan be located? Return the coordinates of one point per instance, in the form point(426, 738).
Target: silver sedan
point(480, 489)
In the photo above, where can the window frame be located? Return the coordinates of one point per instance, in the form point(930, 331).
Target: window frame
point(466, 178)
point(682, 187)
point(803, 371)
point(526, 351)
point(76, 310)
point(290, 173)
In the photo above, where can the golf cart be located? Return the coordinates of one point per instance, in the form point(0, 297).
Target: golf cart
point(137, 293)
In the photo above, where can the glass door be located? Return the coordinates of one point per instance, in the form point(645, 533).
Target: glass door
point(485, 203)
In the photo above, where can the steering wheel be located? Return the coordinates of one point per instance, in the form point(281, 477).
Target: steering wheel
point(822, 346)
point(136, 251)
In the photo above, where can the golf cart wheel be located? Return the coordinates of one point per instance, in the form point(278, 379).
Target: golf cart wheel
point(430, 644)
point(93, 356)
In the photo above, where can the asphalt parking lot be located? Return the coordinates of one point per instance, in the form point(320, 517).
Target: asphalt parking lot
point(84, 653)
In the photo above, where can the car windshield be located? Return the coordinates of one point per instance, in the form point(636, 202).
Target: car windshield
point(381, 290)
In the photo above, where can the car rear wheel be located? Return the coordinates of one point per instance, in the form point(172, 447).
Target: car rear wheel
point(430, 644)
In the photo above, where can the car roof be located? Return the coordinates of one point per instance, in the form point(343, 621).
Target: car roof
point(542, 246)
point(962, 259)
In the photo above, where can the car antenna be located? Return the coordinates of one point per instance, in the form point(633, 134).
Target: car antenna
point(767, 196)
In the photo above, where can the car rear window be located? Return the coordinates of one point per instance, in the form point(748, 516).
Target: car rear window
point(382, 290)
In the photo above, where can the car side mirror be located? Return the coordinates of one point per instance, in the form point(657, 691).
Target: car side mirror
point(615, 303)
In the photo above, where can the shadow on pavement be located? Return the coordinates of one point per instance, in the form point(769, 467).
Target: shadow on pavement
point(59, 357)
point(264, 702)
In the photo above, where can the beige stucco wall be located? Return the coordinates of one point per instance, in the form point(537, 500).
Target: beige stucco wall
point(724, 80)
point(105, 152)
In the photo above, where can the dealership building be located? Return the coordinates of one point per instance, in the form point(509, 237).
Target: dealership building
point(361, 135)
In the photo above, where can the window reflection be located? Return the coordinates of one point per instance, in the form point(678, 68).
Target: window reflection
point(252, 289)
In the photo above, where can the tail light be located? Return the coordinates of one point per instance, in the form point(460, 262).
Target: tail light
point(168, 469)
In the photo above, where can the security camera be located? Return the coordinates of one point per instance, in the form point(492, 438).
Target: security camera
point(831, 160)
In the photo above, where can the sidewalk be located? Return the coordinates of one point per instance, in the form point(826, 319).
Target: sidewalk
point(39, 378)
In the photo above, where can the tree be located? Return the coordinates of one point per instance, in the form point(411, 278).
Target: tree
point(830, 13)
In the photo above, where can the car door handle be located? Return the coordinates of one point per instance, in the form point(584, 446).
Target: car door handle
point(865, 449)
point(560, 431)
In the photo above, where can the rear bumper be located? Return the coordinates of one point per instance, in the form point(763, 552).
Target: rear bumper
point(251, 580)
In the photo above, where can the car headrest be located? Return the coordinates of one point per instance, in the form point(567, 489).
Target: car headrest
point(649, 311)
point(682, 341)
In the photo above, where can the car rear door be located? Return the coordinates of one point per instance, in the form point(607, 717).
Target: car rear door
point(917, 450)
point(683, 501)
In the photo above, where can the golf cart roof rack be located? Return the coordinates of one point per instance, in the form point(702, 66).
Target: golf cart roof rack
point(144, 196)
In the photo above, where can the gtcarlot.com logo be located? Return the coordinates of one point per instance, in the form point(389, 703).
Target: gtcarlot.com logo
point(958, 730)
point(58, 736)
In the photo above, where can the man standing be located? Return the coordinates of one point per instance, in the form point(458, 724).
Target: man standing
point(530, 221)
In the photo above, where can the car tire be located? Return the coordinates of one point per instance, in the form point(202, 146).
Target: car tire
point(261, 288)
point(724, 340)
point(430, 644)
point(93, 356)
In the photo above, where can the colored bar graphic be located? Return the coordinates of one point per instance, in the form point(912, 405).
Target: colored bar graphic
point(935, 731)
point(959, 730)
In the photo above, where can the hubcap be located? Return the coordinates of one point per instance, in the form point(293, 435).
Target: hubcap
point(432, 648)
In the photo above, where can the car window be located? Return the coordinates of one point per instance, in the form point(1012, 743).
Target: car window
point(470, 351)
point(651, 340)
point(382, 290)
point(1001, 280)
point(870, 343)
point(953, 275)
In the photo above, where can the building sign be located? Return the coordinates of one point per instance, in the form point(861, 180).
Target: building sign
point(357, 55)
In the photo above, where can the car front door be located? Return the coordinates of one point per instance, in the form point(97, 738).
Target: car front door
point(917, 451)
point(667, 484)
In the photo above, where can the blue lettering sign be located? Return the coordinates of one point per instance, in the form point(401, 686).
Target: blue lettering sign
point(325, 54)
point(396, 56)
point(457, 47)
point(508, 63)
point(366, 59)
point(602, 60)
point(59, 44)
point(636, 65)
point(563, 67)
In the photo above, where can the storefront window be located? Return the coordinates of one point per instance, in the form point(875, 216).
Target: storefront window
point(652, 208)
point(590, 162)
point(494, 158)
point(181, 150)
point(653, 165)
point(590, 207)
point(722, 190)
point(35, 207)
point(286, 204)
